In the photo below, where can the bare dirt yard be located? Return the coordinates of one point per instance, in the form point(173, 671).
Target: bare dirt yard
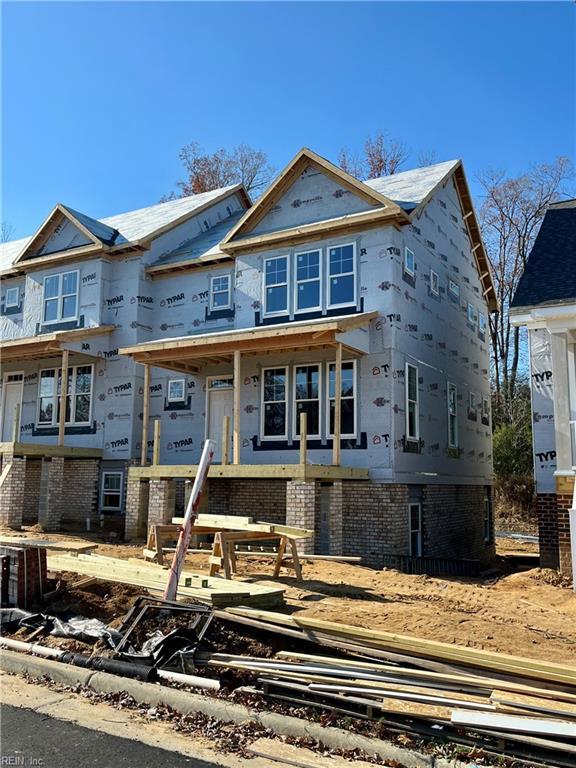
point(528, 613)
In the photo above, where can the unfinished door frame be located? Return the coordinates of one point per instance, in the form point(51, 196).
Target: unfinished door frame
point(209, 379)
point(4, 383)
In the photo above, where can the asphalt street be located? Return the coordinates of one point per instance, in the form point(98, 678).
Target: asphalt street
point(28, 738)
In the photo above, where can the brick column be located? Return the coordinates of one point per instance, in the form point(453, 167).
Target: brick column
point(335, 519)
point(302, 501)
point(51, 506)
point(564, 549)
point(547, 530)
point(137, 494)
point(162, 502)
point(12, 493)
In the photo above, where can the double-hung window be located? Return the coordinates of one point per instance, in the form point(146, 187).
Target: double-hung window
point(412, 403)
point(307, 388)
point(111, 492)
point(452, 417)
point(347, 399)
point(481, 322)
point(409, 262)
point(308, 281)
point(78, 399)
point(276, 286)
point(60, 297)
point(274, 405)
point(485, 410)
point(220, 293)
point(12, 298)
point(434, 283)
point(453, 288)
point(342, 275)
point(471, 315)
point(415, 529)
point(176, 390)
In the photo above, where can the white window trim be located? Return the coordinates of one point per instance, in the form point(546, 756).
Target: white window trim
point(411, 272)
point(434, 291)
point(319, 279)
point(279, 313)
point(71, 394)
point(295, 435)
point(455, 414)
point(412, 530)
point(120, 491)
point(482, 322)
point(354, 274)
point(412, 438)
point(472, 405)
point(355, 398)
point(471, 314)
point(7, 374)
point(60, 297)
point(177, 399)
point(213, 308)
point(11, 304)
point(285, 368)
point(486, 407)
point(454, 288)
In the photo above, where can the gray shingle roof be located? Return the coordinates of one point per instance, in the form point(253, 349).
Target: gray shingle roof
point(550, 274)
point(132, 225)
point(203, 244)
point(409, 188)
point(103, 232)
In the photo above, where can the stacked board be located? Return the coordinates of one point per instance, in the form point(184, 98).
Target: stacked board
point(213, 591)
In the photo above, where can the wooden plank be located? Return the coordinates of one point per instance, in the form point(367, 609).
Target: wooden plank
point(337, 407)
point(515, 723)
point(63, 398)
point(156, 443)
point(534, 703)
point(16, 424)
point(65, 546)
point(145, 416)
point(225, 450)
point(236, 409)
point(256, 471)
point(288, 754)
point(303, 438)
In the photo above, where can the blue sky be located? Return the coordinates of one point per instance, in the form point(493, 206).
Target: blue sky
point(98, 98)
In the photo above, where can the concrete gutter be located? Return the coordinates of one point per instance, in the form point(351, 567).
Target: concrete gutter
point(187, 703)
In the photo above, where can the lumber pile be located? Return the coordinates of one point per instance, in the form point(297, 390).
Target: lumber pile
point(506, 704)
point(213, 591)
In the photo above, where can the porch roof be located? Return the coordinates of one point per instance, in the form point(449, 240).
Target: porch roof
point(47, 344)
point(188, 353)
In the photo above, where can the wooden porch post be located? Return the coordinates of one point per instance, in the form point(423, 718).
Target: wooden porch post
point(337, 407)
point(303, 438)
point(156, 447)
point(16, 425)
point(225, 449)
point(145, 415)
point(236, 415)
point(63, 397)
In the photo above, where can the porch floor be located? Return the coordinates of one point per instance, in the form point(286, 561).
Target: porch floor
point(282, 471)
point(40, 449)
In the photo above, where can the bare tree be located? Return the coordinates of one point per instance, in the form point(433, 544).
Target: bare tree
point(205, 171)
point(6, 231)
point(427, 157)
point(352, 163)
point(510, 216)
point(384, 155)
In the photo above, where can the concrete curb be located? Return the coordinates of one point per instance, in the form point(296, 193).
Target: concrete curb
point(186, 703)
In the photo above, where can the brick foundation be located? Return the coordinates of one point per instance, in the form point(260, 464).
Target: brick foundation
point(32, 490)
point(80, 493)
point(161, 502)
point(12, 493)
point(260, 499)
point(548, 530)
point(303, 509)
point(137, 495)
point(26, 576)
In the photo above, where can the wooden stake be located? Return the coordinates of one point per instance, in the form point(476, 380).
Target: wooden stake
point(145, 415)
point(156, 447)
point(337, 407)
point(16, 425)
point(63, 397)
point(226, 440)
point(236, 415)
point(303, 437)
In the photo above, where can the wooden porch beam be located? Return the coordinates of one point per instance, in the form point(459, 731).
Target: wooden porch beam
point(236, 413)
point(145, 415)
point(63, 398)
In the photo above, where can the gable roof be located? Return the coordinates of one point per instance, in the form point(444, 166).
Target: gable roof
point(409, 189)
point(134, 227)
point(550, 274)
point(304, 158)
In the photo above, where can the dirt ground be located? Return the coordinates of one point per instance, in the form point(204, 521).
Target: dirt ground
point(527, 612)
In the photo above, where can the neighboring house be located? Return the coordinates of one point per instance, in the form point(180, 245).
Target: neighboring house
point(363, 305)
point(545, 302)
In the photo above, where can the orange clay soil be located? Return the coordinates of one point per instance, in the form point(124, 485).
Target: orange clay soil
point(530, 613)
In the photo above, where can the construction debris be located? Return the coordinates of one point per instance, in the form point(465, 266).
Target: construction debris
point(213, 591)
